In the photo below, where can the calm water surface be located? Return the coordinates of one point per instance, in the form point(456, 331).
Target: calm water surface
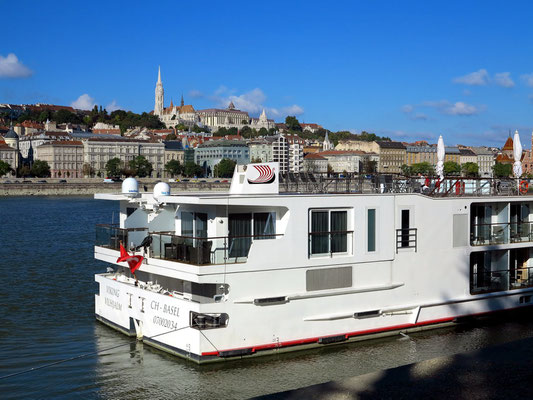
point(47, 314)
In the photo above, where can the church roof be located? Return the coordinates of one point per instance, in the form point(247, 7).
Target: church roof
point(508, 144)
point(11, 134)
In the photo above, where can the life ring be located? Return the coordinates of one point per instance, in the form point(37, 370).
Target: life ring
point(524, 185)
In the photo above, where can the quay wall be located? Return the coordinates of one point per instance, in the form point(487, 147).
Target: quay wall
point(90, 188)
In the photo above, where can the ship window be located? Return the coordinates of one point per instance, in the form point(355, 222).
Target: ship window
point(194, 224)
point(264, 225)
point(371, 227)
point(328, 233)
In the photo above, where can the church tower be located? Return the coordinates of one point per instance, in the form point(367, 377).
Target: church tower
point(159, 95)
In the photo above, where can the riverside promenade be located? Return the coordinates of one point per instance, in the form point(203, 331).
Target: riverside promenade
point(504, 371)
point(79, 188)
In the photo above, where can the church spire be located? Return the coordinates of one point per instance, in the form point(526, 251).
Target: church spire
point(182, 102)
point(159, 95)
point(159, 75)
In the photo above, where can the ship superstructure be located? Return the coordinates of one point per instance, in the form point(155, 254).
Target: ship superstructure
point(255, 271)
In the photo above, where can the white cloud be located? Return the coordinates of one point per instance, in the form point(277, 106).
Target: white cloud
point(458, 108)
point(252, 102)
point(113, 106)
point(503, 79)
point(528, 79)
point(295, 109)
point(11, 67)
point(461, 108)
point(84, 102)
point(407, 108)
point(195, 94)
point(478, 78)
point(419, 117)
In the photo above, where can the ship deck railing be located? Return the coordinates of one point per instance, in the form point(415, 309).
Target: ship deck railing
point(501, 233)
point(501, 279)
point(197, 250)
point(389, 183)
point(111, 235)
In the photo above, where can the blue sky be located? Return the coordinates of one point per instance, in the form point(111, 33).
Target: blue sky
point(409, 70)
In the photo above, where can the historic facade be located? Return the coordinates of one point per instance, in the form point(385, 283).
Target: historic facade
point(65, 158)
point(212, 118)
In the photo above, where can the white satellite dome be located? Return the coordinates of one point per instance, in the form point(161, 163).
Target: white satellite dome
point(161, 189)
point(130, 187)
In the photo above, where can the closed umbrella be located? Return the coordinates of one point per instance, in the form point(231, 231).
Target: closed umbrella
point(441, 153)
point(517, 153)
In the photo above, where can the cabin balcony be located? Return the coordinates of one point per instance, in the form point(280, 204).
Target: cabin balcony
point(111, 235)
point(191, 250)
point(501, 270)
point(203, 250)
point(501, 233)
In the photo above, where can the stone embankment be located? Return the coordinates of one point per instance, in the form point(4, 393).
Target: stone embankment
point(90, 188)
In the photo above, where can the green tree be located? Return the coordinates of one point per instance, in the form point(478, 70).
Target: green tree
point(225, 168)
point(4, 168)
point(293, 124)
point(246, 132)
point(232, 131)
point(174, 167)
point(114, 167)
point(221, 132)
point(406, 170)
point(24, 171)
point(502, 170)
point(451, 168)
point(171, 136)
point(263, 132)
point(141, 166)
point(369, 167)
point(40, 169)
point(191, 169)
point(470, 169)
point(88, 170)
point(423, 168)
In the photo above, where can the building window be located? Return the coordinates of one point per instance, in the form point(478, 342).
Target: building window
point(328, 232)
point(371, 229)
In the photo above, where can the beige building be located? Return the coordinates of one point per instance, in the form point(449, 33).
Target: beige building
point(368, 147)
point(485, 161)
point(467, 155)
point(9, 155)
point(418, 154)
point(97, 152)
point(392, 156)
point(174, 151)
point(64, 158)
point(315, 164)
point(12, 141)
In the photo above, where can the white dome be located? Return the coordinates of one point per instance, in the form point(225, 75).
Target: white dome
point(130, 187)
point(161, 189)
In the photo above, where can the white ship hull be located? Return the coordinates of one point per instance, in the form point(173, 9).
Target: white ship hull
point(283, 294)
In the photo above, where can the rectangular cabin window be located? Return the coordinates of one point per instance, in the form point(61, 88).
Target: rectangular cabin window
point(240, 234)
point(328, 232)
point(371, 228)
point(264, 225)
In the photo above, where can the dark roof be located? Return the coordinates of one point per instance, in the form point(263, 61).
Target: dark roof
point(467, 152)
point(173, 145)
point(390, 145)
point(223, 143)
point(11, 134)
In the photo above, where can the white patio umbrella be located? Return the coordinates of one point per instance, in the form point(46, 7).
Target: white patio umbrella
point(517, 154)
point(441, 153)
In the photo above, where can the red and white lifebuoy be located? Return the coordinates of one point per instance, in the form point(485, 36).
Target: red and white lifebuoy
point(524, 186)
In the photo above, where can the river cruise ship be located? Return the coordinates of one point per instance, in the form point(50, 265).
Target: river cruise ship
point(271, 267)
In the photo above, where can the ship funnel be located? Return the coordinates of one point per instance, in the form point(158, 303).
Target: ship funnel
point(161, 189)
point(130, 187)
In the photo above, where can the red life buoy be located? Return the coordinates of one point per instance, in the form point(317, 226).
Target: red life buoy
point(524, 185)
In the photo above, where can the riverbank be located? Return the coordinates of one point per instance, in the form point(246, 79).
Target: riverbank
point(500, 372)
point(90, 188)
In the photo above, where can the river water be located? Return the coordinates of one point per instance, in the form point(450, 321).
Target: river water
point(47, 314)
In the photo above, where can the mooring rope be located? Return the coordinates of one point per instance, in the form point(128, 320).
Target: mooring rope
point(85, 355)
